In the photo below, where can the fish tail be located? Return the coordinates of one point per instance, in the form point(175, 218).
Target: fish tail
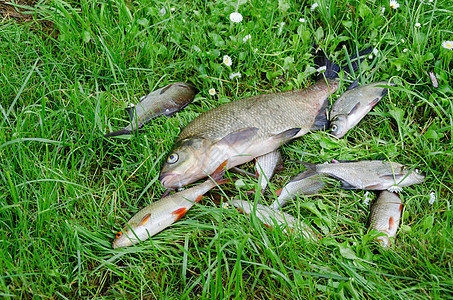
point(350, 65)
point(118, 132)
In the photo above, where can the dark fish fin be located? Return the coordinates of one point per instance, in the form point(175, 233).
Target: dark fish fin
point(117, 133)
point(164, 89)
point(285, 136)
point(353, 85)
point(131, 112)
point(306, 174)
point(392, 176)
point(375, 101)
point(356, 107)
point(240, 171)
point(190, 85)
point(239, 136)
point(333, 70)
point(374, 187)
point(310, 166)
point(321, 120)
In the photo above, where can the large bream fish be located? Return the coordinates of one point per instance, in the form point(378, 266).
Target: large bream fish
point(164, 101)
point(241, 130)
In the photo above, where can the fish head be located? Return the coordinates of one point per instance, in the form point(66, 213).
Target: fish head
point(339, 126)
point(188, 162)
point(412, 177)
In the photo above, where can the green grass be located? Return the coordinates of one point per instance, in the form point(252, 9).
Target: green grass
point(68, 71)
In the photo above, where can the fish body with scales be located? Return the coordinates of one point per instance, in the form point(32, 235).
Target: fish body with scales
point(162, 102)
point(385, 216)
point(370, 174)
point(354, 104)
point(241, 130)
point(160, 214)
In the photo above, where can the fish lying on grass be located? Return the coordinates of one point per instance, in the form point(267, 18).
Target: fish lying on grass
point(370, 174)
point(241, 130)
point(353, 105)
point(306, 183)
point(385, 216)
point(271, 218)
point(164, 101)
point(266, 165)
point(160, 214)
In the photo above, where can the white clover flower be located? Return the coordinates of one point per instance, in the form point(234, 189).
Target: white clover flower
point(417, 25)
point(246, 38)
point(447, 45)
point(302, 20)
point(236, 17)
point(227, 60)
point(234, 75)
point(280, 28)
point(367, 199)
point(212, 92)
point(394, 4)
point(313, 7)
point(433, 79)
point(432, 198)
point(321, 69)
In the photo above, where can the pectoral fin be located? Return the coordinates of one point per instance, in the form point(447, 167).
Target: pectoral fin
point(355, 108)
point(285, 136)
point(238, 136)
point(144, 220)
point(180, 212)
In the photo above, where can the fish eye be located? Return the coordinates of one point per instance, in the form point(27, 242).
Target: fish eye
point(119, 234)
point(334, 127)
point(172, 158)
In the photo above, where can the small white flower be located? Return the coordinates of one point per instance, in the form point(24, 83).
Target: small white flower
point(447, 45)
point(394, 4)
point(321, 69)
point(375, 51)
point(432, 198)
point(405, 50)
point(246, 38)
point(313, 7)
point(280, 28)
point(163, 11)
point(433, 79)
point(227, 60)
point(212, 92)
point(234, 75)
point(402, 40)
point(417, 25)
point(366, 201)
point(172, 9)
point(225, 205)
point(382, 10)
point(302, 20)
point(236, 17)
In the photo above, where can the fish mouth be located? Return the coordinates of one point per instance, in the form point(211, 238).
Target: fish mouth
point(170, 180)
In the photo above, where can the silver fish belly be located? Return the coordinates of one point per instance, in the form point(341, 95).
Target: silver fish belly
point(385, 216)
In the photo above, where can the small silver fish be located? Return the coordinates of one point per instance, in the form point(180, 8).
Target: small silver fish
point(370, 175)
point(271, 218)
point(266, 165)
point(160, 214)
point(385, 216)
point(306, 183)
point(353, 105)
point(164, 101)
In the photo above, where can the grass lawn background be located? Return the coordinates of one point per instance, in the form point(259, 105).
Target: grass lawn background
point(67, 71)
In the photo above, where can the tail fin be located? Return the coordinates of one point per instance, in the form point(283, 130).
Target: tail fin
point(333, 70)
